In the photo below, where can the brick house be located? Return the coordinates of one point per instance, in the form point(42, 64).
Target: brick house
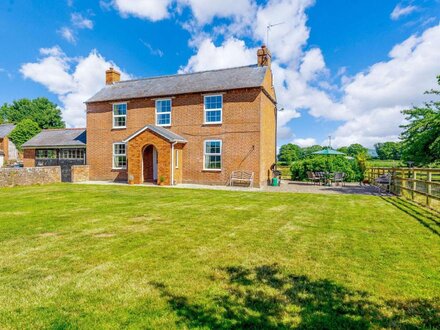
point(8, 151)
point(185, 128)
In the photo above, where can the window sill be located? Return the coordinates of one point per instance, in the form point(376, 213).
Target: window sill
point(119, 168)
point(118, 128)
point(165, 126)
point(213, 123)
point(211, 170)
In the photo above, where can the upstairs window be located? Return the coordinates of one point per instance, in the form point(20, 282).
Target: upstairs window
point(119, 156)
point(119, 115)
point(163, 112)
point(213, 155)
point(213, 109)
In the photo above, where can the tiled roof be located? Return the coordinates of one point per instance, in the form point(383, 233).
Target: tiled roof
point(163, 132)
point(68, 137)
point(206, 81)
point(5, 129)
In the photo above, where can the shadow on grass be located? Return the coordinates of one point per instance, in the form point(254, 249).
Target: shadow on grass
point(424, 217)
point(265, 298)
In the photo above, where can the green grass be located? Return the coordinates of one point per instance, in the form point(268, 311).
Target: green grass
point(91, 257)
point(385, 163)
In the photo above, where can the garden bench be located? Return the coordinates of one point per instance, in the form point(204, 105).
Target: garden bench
point(242, 177)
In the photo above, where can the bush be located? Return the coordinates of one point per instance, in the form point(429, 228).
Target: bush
point(331, 164)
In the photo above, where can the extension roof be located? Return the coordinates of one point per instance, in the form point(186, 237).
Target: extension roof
point(57, 138)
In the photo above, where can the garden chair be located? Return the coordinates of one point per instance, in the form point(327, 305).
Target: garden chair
point(384, 180)
point(312, 177)
point(339, 177)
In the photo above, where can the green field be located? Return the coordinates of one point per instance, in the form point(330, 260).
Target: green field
point(385, 163)
point(92, 257)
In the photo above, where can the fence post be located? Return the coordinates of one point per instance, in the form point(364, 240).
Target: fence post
point(429, 189)
point(414, 184)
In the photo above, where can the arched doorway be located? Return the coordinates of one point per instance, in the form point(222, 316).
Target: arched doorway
point(149, 160)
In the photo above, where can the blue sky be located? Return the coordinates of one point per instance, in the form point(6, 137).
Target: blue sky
point(342, 68)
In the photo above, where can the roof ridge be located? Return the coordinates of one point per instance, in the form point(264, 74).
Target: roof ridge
point(185, 74)
point(63, 129)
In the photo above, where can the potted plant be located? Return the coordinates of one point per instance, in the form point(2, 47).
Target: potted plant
point(161, 180)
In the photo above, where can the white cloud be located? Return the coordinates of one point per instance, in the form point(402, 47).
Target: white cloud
point(81, 22)
point(311, 64)
point(285, 40)
point(232, 52)
point(375, 98)
point(68, 34)
point(400, 11)
point(153, 51)
point(204, 11)
point(306, 142)
point(73, 80)
point(153, 10)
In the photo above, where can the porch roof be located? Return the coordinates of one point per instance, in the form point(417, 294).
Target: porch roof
point(161, 131)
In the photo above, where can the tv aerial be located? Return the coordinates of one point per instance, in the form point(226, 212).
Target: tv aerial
point(268, 28)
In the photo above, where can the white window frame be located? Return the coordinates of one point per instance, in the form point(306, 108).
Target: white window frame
point(119, 155)
point(205, 111)
point(162, 113)
point(119, 116)
point(211, 154)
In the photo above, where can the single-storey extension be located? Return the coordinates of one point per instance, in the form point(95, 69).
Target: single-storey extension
point(57, 147)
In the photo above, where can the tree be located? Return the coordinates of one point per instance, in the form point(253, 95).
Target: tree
point(40, 110)
point(389, 150)
point(421, 136)
point(356, 149)
point(308, 151)
point(289, 153)
point(343, 149)
point(25, 130)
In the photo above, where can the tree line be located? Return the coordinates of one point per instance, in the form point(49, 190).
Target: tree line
point(30, 117)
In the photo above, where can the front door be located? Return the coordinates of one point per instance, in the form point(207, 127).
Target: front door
point(150, 164)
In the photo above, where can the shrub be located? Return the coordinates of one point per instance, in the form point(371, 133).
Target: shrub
point(331, 164)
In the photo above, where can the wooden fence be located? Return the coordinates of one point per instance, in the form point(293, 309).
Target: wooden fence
point(421, 185)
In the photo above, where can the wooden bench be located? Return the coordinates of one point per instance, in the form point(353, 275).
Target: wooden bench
point(242, 177)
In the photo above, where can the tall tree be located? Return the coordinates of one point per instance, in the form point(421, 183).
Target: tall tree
point(40, 110)
point(389, 150)
point(356, 149)
point(289, 153)
point(25, 130)
point(421, 136)
point(308, 151)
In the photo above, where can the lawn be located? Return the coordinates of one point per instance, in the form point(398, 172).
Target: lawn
point(92, 257)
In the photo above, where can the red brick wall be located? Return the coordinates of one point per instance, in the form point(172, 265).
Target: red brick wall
point(239, 132)
point(29, 158)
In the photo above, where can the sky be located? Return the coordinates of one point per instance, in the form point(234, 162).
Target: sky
point(342, 68)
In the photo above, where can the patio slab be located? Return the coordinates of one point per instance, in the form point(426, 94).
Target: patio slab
point(285, 187)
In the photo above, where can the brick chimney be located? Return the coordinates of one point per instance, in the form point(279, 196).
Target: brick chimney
point(263, 55)
point(112, 76)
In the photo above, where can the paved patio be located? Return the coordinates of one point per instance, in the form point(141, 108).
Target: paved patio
point(286, 187)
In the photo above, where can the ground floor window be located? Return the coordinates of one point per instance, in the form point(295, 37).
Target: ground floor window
point(119, 156)
point(46, 154)
point(213, 155)
point(72, 154)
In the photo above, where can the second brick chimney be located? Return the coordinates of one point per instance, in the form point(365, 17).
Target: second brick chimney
point(112, 76)
point(264, 56)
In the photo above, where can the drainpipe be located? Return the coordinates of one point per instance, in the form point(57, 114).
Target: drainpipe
point(172, 163)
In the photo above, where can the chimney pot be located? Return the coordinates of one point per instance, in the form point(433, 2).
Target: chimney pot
point(112, 76)
point(263, 56)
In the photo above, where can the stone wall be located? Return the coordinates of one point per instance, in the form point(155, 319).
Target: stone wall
point(80, 173)
point(10, 177)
